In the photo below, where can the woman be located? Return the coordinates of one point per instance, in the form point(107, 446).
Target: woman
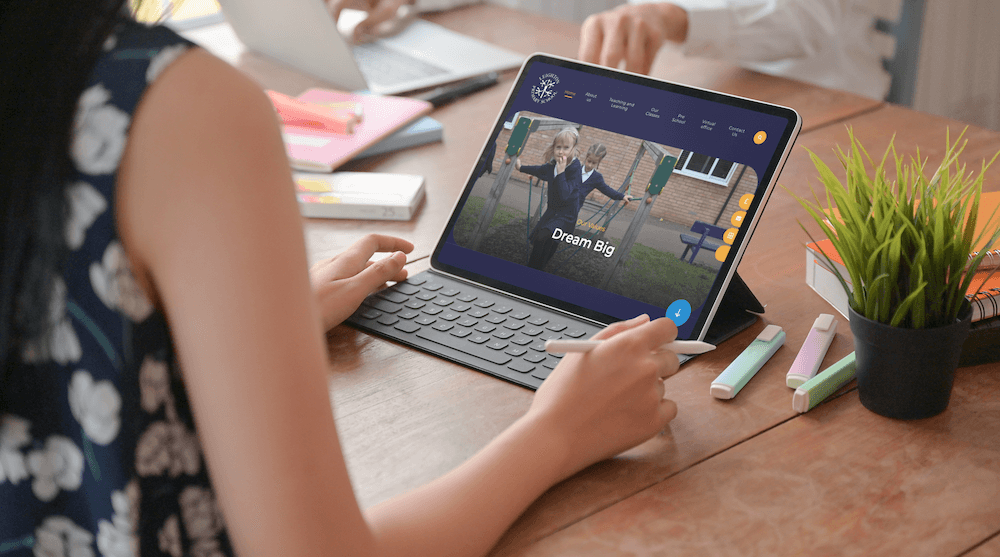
point(163, 387)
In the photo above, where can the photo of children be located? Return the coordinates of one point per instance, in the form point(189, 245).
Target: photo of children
point(643, 220)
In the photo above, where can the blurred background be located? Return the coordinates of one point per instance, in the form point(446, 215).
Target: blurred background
point(950, 49)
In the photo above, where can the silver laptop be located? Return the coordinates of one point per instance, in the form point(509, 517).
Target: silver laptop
point(530, 255)
point(302, 34)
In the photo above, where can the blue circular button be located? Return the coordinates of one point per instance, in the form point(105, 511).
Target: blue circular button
point(679, 312)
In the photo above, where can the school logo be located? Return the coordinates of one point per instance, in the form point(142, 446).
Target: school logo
point(545, 91)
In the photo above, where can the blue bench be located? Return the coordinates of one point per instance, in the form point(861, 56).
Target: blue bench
point(702, 237)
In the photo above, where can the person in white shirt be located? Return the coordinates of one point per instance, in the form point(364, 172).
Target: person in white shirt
point(831, 43)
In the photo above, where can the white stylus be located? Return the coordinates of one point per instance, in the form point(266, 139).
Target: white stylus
point(678, 346)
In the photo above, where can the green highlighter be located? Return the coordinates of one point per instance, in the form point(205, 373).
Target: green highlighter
point(748, 363)
point(817, 389)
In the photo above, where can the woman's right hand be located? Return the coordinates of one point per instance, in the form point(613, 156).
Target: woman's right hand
point(605, 401)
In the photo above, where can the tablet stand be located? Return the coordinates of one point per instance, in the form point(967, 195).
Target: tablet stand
point(736, 312)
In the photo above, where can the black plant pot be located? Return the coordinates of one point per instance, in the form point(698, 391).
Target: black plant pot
point(907, 374)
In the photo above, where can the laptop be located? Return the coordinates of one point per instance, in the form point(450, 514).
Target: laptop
point(302, 34)
point(699, 166)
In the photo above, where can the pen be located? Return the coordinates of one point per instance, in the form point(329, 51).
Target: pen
point(445, 94)
point(678, 346)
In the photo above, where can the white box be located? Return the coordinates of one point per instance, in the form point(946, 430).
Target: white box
point(359, 195)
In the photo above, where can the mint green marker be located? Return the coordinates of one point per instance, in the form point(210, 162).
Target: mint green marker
point(817, 389)
point(748, 363)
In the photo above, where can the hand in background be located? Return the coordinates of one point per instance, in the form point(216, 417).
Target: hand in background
point(344, 280)
point(561, 163)
point(380, 12)
point(517, 163)
point(633, 33)
point(628, 199)
point(610, 399)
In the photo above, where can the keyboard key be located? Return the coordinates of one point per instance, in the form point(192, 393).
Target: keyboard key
point(502, 309)
point(477, 350)
point(479, 338)
point(550, 363)
point(534, 358)
point(407, 314)
point(496, 319)
point(520, 315)
point(542, 373)
point(416, 280)
point(442, 326)
point(538, 346)
point(555, 327)
point(369, 313)
point(415, 304)
point(515, 351)
point(424, 320)
point(450, 316)
point(486, 328)
point(477, 313)
point(407, 327)
point(449, 292)
point(548, 335)
point(521, 366)
point(460, 307)
point(513, 325)
point(383, 305)
point(574, 333)
point(484, 303)
point(533, 331)
point(522, 341)
point(503, 334)
point(432, 310)
point(433, 286)
point(388, 294)
point(466, 298)
point(498, 345)
point(425, 296)
point(388, 320)
point(539, 321)
point(443, 302)
point(467, 322)
point(407, 289)
point(460, 333)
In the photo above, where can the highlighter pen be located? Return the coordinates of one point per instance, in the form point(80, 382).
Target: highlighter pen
point(678, 346)
point(748, 363)
point(813, 350)
point(817, 389)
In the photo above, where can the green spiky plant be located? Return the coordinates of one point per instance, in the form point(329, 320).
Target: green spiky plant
point(906, 243)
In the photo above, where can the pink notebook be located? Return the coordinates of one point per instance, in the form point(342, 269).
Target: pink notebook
point(315, 150)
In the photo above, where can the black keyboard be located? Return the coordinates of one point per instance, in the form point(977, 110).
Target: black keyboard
point(485, 330)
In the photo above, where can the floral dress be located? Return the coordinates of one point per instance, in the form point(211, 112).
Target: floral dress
point(98, 450)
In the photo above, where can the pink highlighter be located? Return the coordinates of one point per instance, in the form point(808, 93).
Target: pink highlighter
point(813, 350)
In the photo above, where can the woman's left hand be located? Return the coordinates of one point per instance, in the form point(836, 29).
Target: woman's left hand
point(342, 282)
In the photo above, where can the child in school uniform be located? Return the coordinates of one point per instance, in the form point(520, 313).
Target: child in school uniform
point(591, 179)
point(563, 173)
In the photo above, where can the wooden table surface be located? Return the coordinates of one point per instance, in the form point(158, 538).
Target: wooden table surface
point(743, 477)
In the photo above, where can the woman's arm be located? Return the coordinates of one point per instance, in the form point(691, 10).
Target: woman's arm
point(210, 224)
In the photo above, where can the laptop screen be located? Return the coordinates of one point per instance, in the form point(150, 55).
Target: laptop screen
point(609, 195)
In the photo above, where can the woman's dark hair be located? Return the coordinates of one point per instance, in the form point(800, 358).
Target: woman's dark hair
point(48, 49)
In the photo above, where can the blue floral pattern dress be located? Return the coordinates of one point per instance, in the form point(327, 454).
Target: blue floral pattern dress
point(98, 450)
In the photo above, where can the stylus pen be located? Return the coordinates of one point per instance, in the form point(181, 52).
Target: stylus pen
point(448, 93)
point(678, 346)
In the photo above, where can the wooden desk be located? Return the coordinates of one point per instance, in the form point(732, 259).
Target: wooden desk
point(743, 477)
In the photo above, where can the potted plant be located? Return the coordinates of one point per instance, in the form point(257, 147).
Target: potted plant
point(907, 244)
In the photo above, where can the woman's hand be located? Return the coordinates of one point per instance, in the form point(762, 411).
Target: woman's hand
point(344, 280)
point(610, 399)
point(380, 13)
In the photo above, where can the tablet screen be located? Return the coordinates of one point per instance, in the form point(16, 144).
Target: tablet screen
point(610, 195)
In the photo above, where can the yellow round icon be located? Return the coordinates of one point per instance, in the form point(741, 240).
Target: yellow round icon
point(745, 201)
point(759, 137)
point(730, 236)
point(722, 253)
point(737, 219)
